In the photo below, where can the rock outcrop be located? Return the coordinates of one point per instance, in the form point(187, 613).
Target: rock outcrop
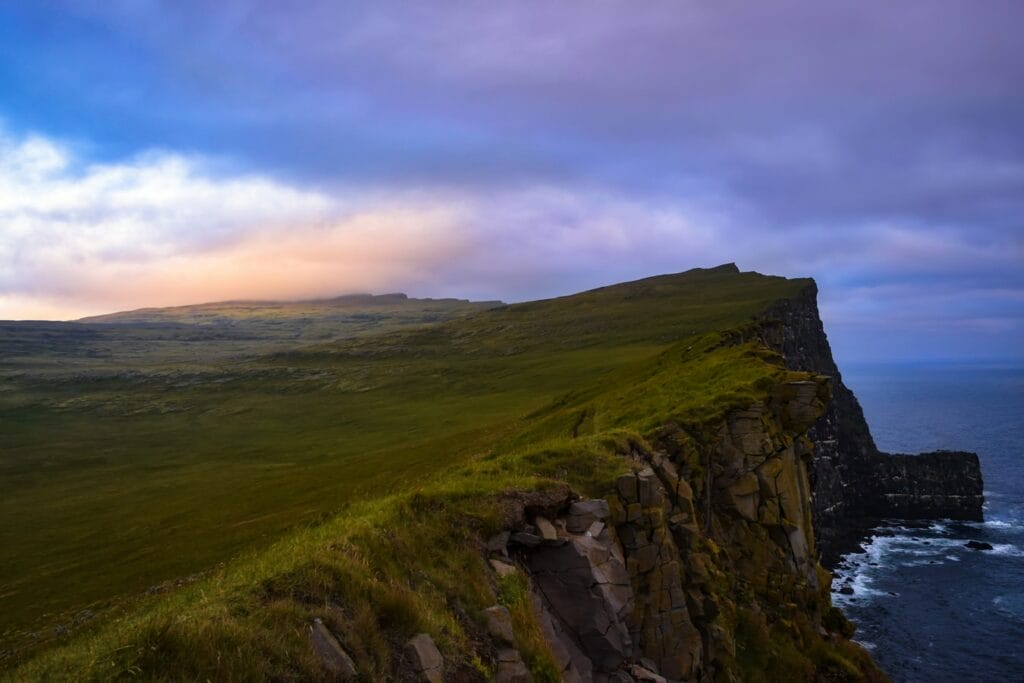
point(708, 541)
point(425, 658)
point(855, 486)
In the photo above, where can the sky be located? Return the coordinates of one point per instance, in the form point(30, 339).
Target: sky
point(162, 153)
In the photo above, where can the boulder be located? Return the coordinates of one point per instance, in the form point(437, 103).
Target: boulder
point(978, 545)
point(511, 668)
point(503, 569)
point(546, 529)
point(330, 652)
point(425, 658)
point(499, 623)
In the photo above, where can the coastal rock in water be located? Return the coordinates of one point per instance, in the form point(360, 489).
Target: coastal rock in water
point(978, 545)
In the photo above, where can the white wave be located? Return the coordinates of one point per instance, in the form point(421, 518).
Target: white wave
point(916, 563)
point(1006, 550)
point(1001, 524)
point(898, 546)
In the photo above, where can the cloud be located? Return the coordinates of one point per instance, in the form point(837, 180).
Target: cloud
point(540, 147)
point(165, 229)
point(161, 229)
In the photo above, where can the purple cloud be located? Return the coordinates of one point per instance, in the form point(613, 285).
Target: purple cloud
point(874, 146)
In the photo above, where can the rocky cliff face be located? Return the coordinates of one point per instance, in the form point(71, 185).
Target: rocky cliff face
point(854, 484)
point(704, 564)
point(701, 566)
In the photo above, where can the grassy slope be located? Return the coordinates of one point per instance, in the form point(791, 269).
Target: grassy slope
point(323, 319)
point(130, 494)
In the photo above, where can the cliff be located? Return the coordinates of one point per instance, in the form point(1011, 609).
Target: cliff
point(660, 514)
point(856, 486)
point(701, 565)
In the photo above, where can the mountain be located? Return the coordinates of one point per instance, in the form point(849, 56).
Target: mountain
point(632, 482)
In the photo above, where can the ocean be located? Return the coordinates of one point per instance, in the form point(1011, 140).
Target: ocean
point(929, 608)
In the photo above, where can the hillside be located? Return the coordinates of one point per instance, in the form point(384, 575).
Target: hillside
point(363, 481)
point(300, 321)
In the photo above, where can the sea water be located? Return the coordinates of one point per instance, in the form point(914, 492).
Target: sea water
point(928, 607)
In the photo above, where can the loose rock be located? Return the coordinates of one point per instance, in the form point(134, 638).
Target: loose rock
point(499, 623)
point(332, 656)
point(546, 529)
point(425, 658)
point(511, 668)
point(503, 569)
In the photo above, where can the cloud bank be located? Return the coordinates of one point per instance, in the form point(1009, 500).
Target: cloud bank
point(517, 150)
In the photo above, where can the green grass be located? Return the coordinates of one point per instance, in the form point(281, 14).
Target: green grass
point(385, 568)
point(120, 474)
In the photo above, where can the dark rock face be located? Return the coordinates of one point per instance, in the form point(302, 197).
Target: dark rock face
point(854, 484)
point(586, 585)
point(931, 486)
point(652, 582)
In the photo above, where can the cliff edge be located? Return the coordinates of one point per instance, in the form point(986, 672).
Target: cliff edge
point(662, 513)
point(855, 485)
